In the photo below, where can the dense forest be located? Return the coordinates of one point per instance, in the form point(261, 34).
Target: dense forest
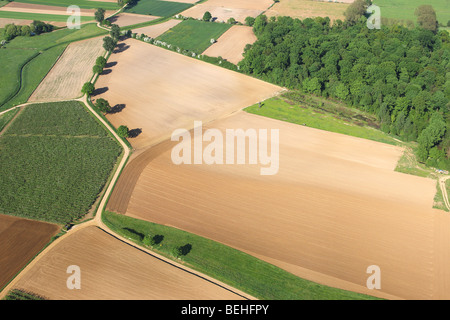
point(400, 74)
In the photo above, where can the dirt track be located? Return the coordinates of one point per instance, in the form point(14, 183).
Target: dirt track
point(335, 208)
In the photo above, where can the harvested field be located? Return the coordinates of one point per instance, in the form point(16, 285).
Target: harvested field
point(128, 19)
point(223, 10)
point(170, 91)
point(335, 208)
point(112, 269)
point(239, 4)
point(21, 240)
point(231, 44)
point(220, 13)
point(71, 71)
point(156, 30)
point(303, 9)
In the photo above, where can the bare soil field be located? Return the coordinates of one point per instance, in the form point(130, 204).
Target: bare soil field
point(21, 239)
point(127, 19)
point(222, 10)
point(303, 9)
point(17, 22)
point(156, 30)
point(335, 208)
point(43, 9)
point(158, 91)
point(112, 269)
point(71, 71)
point(231, 44)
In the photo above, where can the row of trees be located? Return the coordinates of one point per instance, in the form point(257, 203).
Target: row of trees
point(36, 27)
point(400, 75)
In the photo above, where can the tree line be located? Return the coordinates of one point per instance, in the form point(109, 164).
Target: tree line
point(399, 74)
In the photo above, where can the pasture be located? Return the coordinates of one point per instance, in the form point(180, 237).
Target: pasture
point(194, 35)
point(112, 269)
point(404, 9)
point(83, 4)
point(55, 161)
point(157, 8)
point(21, 240)
point(29, 59)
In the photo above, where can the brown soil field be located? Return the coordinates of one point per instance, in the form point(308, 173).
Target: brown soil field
point(156, 30)
point(17, 22)
point(231, 44)
point(335, 208)
point(71, 71)
point(127, 19)
point(44, 9)
point(170, 91)
point(21, 239)
point(303, 9)
point(111, 269)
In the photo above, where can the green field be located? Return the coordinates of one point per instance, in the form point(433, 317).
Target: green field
point(12, 62)
point(84, 4)
point(6, 117)
point(29, 59)
point(194, 35)
point(40, 17)
point(55, 159)
point(242, 271)
point(158, 8)
point(304, 114)
point(404, 9)
point(17, 294)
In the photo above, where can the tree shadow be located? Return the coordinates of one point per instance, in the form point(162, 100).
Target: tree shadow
point(133, 133)
point(113, 19)
point(184, 250)
point(99, 91)
point(105, 72)
point(121, 47)
point(110, 64)
point(132, 232)
point(157, 239)
point(117, 108)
